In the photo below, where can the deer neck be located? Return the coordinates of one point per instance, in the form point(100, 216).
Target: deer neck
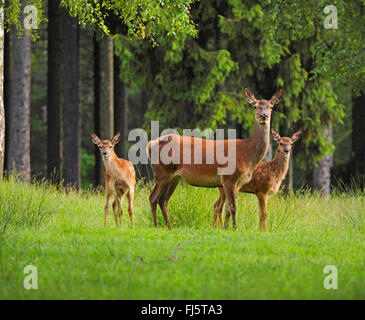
point(110, 163)
point(281, 163)
point(259, 142)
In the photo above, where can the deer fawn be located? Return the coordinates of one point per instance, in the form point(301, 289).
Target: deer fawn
point(203, 173)
point(120, 178)
point(266, 179)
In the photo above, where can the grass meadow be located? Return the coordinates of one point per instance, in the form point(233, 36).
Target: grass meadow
point(62, 234)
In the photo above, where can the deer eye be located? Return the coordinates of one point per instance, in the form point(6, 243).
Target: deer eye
point(281, 143)
point(111, 147)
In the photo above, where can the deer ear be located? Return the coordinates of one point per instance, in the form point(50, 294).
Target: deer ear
point(275, 135)
point(296, 136)
point(95, 139)
point(250, 96)
point(276, 97)
point(116, 138)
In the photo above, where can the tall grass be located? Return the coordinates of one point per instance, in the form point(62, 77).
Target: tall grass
point(193, 208)
point(62, 233)
point(31, 205)
point(25, 205)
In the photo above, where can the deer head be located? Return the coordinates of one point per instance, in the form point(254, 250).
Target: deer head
point(263, 108)
point(106, 147)
point(285, 143)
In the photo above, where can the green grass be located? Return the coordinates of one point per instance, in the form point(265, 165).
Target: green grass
point(62, 234)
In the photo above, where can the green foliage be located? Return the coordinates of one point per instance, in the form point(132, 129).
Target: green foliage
point(340, 54)
point(342, 132)
point(265, 46)
point(14, 12)
point(87, 166)
point(145, 18)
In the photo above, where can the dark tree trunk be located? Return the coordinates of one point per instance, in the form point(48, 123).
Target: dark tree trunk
point(358, 137)
point(18, 158)
point(54, 105)
point(104, 96)
point(63, 152)
point(97, 108)
point(2, 98)
point(8, 62)
point(70, 111)
point(120, 111)
point(322, 172)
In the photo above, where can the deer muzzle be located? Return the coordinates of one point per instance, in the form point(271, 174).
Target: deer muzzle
point(263, 118)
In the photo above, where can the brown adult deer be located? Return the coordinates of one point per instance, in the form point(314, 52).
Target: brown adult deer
point(120, 178)
point(266, 179)
point(203, 173)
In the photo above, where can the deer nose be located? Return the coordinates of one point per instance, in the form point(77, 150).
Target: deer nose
point(264, 116)
point(286, 150)
point(105, 153)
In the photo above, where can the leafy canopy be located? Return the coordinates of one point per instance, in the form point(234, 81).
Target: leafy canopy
point(264, 45)
point(144, 18)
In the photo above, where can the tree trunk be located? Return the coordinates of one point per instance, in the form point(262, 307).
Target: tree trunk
point(98, 162)
point(19, 109)
point(54, 105)
point(63, 152)
point(8, 61)
point(358, 137)
point(322, 172)
point(2, 109)
point(104, 97)
point(120, 111)
point(70, 111)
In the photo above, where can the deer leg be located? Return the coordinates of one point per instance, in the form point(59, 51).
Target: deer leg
point(223, 200)
point(215, 212)
point(228, 215)
point(226, 219)
point(106, 208)
point(218, 208)
point(130, 196)
point(154, 198)
point(165, 198)
point(230, 191)
point(121, 208)
point(263, 208)
point(116, 210)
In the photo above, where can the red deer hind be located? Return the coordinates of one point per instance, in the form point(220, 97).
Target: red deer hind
point(266, 179)
point(204, 173)
point(120, 178)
